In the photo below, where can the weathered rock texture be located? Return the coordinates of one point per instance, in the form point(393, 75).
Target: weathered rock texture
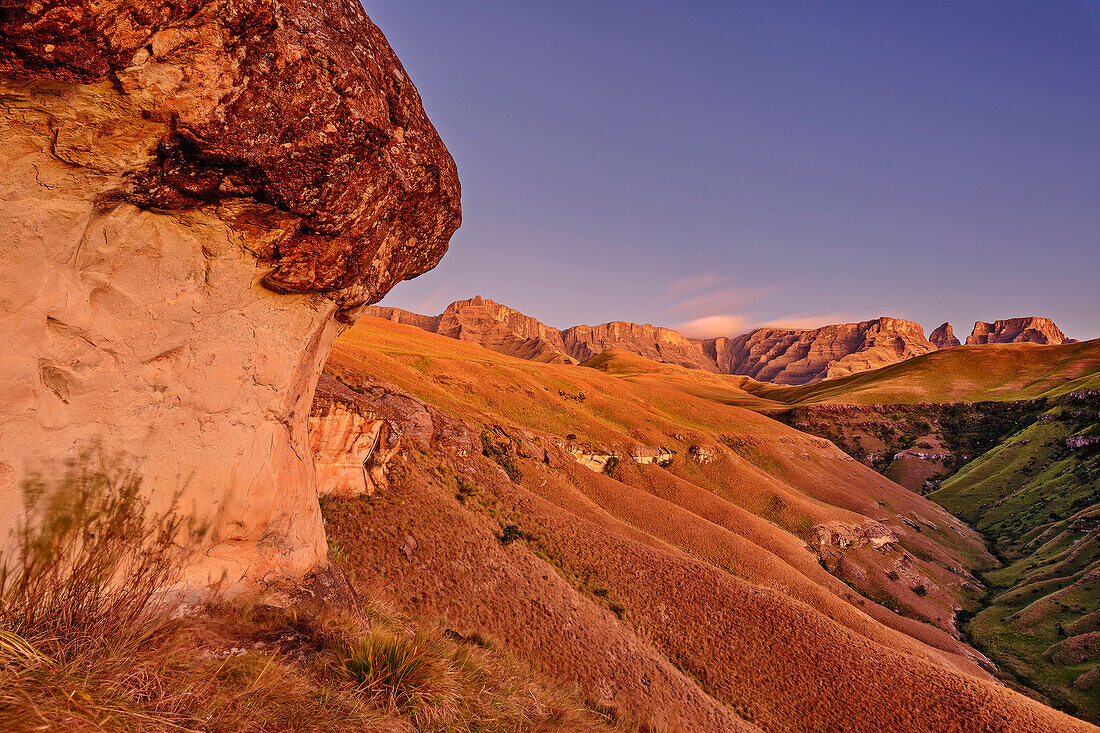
point(797, 356)
point(944, 337)
point(785, 356)
point(194, 197)
point(489, 324)
point(352, 446)
point(1017, 330)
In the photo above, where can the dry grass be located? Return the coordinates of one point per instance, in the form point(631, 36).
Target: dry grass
point(90, 642)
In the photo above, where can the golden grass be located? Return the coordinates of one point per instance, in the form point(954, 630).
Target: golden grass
point(90, 641)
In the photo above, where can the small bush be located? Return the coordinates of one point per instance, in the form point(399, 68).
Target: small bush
point(893, 575)
point(510, 534)
point(498, 452)
point(612, 466)
point(466, 490)
point(89, 558)
point(920, 590)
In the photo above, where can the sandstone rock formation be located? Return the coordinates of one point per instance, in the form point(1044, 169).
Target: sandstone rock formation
point(494, 326)
point(785, 356)
point(1017, 330)
point(798, 356)
point(195, 198)
point(944, 337)
point(652, 342)
point(352, 446)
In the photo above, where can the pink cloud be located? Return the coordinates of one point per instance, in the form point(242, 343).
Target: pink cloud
point(728, 324)
point(687, 285)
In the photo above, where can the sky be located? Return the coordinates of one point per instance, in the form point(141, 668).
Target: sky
point(715, 166)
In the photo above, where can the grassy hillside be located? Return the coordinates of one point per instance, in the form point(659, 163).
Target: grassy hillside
point(985, 430)
point(985, 373)
point(704, 594)
point(1036, 498)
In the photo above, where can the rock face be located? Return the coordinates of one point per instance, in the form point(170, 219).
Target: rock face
point(652, 342)
point(943, 337)
point(352, 446)
point(1017, 330)
point(797, 356)
point(784, 356)
point(195, 198)
point(490, 324)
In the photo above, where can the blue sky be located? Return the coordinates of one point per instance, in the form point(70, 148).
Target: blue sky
point(718, 165)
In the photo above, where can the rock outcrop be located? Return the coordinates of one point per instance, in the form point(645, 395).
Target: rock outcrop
point(196, 197)
point(799, 356)
point(352, 445)
point(785, 356)
point(490, 324)
point(944, 337)
point(1017, 330)
point(779, 355)
point(652, 342)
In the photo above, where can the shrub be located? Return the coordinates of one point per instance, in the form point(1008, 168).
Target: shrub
point(612, 466)
point(893, 575)
point(498, 452)
point(920, 590)
point(89, 558)
point(510, 534)
point(466, 490)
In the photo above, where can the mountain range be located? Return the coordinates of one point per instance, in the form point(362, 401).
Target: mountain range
point(780, 355)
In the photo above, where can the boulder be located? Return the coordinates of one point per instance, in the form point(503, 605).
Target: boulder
point(196, 199)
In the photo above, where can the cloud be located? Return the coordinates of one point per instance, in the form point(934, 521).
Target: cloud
point(724, 300)
point(812, 320)
point(726, 324)
point(687, 285)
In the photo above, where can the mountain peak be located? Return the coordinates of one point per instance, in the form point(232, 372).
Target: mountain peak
point(1030, 329)
point(944, 337)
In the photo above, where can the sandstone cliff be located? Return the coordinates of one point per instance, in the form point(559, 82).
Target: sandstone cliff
point(652, 342)
point(195, 197)
point(784, 356)
point(490, 324)
point(944, 337)
point(796, 356)
point(1017, 330)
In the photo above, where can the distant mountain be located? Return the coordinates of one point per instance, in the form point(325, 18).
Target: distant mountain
point(1017, 330)
point(799, 356)
point(779, 355)
point(508, 331)
point(944, 337)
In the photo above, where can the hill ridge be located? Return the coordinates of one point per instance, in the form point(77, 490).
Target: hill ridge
point(790, 356)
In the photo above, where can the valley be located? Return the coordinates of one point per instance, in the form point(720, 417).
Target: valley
point(241, 492)
point(739, 493)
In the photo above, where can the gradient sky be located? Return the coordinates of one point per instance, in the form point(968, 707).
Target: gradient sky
point(718, 165)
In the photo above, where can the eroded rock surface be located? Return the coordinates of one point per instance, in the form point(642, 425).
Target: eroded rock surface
point(784, 356)
point(195, 197)
point(798, 356)
point(1017, 330)
point(944, 337)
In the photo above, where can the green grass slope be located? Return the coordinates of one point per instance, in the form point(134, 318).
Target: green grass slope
point(1036, 499)
point(984, 373)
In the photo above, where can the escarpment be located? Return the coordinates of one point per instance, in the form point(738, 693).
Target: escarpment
point(1017, 330)
point(196, 198)
point(795, 356)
